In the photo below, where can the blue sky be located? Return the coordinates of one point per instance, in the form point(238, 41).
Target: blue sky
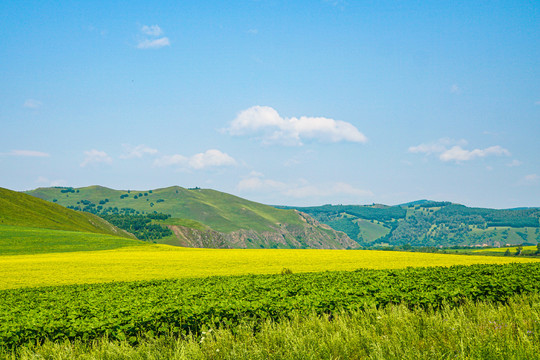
point(297, 103)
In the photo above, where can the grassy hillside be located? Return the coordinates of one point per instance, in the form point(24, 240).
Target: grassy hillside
point(19, 240)
point(429, 223)
point(29, 225)
point(219, 211)
point(203, 217)
point(19, 209)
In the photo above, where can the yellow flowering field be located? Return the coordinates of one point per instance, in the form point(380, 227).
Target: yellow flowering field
point(503, 249)
point(165, 262)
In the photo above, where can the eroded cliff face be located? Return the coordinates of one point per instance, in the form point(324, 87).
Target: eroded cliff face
point(311, 235)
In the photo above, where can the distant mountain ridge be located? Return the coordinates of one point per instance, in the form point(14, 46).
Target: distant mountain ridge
point(430, 223)
point(204, 217)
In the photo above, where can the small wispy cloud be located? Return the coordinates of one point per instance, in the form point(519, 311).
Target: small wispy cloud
point(266, 123)
point(150, 39)
point(168, 160)
point(152, 30)
point(93, 29)
point(32, 104)
point(256, 182)
point(45, 181)
point(153, 44)
point(137, 151)
point(531, 179)
point(514, 163)
point(208, 159)
point(253, 31)
point(340, 3)
point(96, 157)
point(28, 153)
point(455, 89)
point(451, 150)
point(438, 146)
point(457, 153)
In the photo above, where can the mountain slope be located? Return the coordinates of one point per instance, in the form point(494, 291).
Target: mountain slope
point(29, 225)
point(23, 210)
point(205, 218)
point(430, 223)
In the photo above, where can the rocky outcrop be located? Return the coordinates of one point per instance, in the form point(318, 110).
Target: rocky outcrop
point(311, 235)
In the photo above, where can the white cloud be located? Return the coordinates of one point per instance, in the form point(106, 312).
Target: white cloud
point(44, 180)
point(454, 89)
point(95, 157)
point(153, 44)
point(342, 3)
point(438, 146)
point(528, 180)
point(32, 104)
point(257, 183)
point(209, 158)
point(335, 189)
point(136, 151)
point(169, 160)
point(28, 153)
point(458, 154)
point(451, 150)
point(266, 122)
point(150, 40)
point(514, 163)
point(531, 178)
point(152, 30)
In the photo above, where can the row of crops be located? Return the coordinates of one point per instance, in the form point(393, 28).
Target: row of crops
point(134, 310)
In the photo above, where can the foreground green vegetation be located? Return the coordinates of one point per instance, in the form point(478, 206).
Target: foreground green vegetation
point(481, 330)
point(133, 311)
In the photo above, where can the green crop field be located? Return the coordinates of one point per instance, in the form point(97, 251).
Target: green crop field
point(165, 262)
point(137, 311)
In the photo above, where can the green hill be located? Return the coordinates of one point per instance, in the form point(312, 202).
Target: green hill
point(21, 240)
point(29, 225)
point(23, 210)
point(204, 217)
point(430, 223)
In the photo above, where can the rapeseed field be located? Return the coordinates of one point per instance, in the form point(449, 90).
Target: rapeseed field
point(166, 262)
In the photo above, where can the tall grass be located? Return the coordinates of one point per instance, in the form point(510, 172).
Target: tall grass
point(471, 331)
